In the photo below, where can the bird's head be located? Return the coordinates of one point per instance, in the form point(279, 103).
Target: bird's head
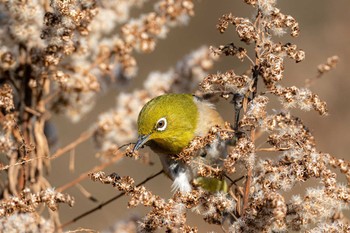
point(167, 123)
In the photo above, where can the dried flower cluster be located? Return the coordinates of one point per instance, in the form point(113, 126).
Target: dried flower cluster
point(6, 98)
point(298, 162)
point(125, 225)
point(227, 82)
point(31, 222)
point(329, 65)
point(169, 214)
point(256, 112)
point(28, 202)
point(302, 98)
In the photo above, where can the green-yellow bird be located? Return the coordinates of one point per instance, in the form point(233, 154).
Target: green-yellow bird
point(168, 123)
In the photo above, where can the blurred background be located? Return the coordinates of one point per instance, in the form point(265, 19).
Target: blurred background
point(325, 31)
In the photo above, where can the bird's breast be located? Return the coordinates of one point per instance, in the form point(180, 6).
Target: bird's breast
point(207, 118)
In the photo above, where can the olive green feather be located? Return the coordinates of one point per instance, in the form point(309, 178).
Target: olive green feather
point(181, 114)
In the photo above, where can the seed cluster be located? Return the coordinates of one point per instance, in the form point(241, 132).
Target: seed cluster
point(28, 202)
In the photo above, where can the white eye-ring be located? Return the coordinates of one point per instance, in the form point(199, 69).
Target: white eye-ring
point(161, 124)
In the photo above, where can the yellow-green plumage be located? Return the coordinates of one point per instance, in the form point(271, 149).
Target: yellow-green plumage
point(211, 184)
point(168, 123)
point(181, 114)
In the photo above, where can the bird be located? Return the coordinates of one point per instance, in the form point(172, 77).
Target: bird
point(168, 123)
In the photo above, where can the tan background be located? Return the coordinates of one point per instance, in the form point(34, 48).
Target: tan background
point(325, 31)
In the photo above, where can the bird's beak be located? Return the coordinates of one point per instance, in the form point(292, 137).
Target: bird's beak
point(141, 140)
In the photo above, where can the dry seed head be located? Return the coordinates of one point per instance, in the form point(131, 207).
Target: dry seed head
point(227, 82)
point(329, 65)
point(6, 97)
point(28, 202)
point(256, 112)
point(302, 98)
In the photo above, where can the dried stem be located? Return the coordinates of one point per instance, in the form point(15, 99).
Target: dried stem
point(71, 146)
point(100, 206)
point(84, 175)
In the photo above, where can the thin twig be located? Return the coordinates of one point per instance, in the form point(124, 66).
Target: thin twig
point(72, 161)
point(247, 56)
point(50, 97)
point(249, 179)
point(2, 167)
point(82, 138)
point(247, 189)
point(84, 175)
point(256, 70)
point(86, 193)
point(32, 111)
point(272, 149)
point(80, 229)
point(108, 201)
point(234, 181)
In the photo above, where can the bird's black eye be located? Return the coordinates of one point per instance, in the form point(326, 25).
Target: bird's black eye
point(161, 124)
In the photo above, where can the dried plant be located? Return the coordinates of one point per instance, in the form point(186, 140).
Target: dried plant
point(27, 202)
point(58, 57)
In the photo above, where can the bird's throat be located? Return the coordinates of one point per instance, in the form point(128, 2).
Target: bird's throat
point(169, 145)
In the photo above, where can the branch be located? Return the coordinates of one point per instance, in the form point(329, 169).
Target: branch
point(82, 138)
point(84, 175)
point(107, 202)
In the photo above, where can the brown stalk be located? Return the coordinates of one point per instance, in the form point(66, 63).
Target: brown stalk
point(84, 175)
point(82, 138)
point(108, 201)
